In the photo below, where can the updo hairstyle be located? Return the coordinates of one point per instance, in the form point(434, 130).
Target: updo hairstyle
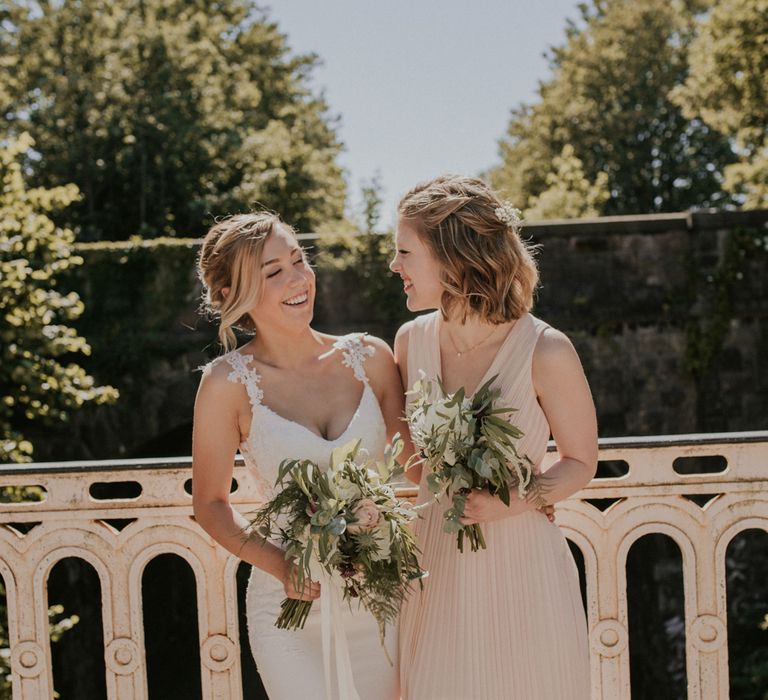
point(230, 257)
point(487, 270)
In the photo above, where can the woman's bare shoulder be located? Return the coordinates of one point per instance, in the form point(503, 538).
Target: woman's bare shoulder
point(382, 361)
point(553, 345)
point(218, 381)
point(555, 361)
point(401, 338)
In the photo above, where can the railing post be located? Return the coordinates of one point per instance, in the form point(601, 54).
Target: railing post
point(219, 629)
point(31, 675)
point(123, 641)
point(707, 636)
point(609, 637)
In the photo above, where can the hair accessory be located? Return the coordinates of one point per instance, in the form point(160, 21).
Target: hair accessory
point(508, 214)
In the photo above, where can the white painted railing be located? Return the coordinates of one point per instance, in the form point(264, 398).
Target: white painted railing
point(651, 499)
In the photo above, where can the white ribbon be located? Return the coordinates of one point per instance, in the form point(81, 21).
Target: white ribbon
point(335, 639)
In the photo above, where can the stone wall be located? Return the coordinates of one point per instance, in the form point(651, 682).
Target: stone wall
point(668, 313)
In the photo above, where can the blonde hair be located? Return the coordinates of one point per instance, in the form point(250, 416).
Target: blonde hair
point(487, 270)
point(230, 257)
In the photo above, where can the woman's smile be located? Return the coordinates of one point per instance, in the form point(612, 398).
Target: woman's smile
point(298, 300)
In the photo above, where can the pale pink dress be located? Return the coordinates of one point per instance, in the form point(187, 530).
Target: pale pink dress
point(505, 623)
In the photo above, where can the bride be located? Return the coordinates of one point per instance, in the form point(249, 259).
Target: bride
point(288, 392)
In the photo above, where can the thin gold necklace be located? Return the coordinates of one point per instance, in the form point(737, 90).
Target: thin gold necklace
point(458, 352)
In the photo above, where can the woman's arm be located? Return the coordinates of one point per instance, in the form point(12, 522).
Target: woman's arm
point(215, 439)
point(401, 360)
point(387, 385)
point(564, 396)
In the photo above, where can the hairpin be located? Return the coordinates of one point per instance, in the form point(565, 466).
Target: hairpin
point(508, 214)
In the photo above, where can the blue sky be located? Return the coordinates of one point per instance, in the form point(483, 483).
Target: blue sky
point(423, 87)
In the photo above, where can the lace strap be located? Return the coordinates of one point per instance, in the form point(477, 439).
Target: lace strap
point(355, 352)
point(242, 372)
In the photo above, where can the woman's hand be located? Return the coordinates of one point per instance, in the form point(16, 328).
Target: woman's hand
point(310, 590)
point(482, 507)
point(549, 511)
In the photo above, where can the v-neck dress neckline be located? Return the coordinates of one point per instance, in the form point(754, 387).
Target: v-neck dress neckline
point(500, 353)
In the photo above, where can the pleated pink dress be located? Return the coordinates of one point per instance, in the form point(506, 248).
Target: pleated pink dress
point(507, 622)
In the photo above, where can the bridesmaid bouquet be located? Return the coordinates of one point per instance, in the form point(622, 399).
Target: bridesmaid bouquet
point(347, 523)
point(467, 444)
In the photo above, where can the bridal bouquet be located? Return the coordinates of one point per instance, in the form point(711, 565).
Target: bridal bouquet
point(344, 521)
point(468, 444)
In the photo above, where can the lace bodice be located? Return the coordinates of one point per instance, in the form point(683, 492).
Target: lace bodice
point(273, 438)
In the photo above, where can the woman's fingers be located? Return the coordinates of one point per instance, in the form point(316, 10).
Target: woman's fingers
point(470, 516)
point(308, 593)
point(310, 590)
point(549, 511)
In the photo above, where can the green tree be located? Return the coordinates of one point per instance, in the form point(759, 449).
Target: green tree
point(359, 252)
point(35, 383)
point(372, 203)
point(569, 195)
point(609, 98)
point(727, 88)
point(164, 112)
point(38, 382)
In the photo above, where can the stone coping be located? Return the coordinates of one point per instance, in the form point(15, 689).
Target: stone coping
point(631, 442)
point(635, 224)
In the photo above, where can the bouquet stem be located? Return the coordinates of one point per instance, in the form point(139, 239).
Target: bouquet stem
point(293, 614)
point(474, 534)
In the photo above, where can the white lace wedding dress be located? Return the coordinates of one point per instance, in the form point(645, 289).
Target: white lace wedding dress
point(291, 663)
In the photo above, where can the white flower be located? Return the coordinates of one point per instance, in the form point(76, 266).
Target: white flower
point(508, 214)
point(431, 423)
point(346, 490)
point(441, 415)
point(421, 429)
point(433, 418)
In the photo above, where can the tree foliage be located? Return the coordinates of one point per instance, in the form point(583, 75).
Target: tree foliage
point(165, 111)
point(569, 195)
point(728, 89)
point(358, 251)
point(609, 99)
point(37, 382)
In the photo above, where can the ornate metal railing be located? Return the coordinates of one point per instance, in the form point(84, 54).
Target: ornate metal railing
point(653, 496)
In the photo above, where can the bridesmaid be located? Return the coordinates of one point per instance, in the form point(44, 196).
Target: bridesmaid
point(506, 622)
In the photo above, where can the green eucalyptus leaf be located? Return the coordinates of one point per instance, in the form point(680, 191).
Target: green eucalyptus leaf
point(452, 526)
point(337, 526)
point(434, 483)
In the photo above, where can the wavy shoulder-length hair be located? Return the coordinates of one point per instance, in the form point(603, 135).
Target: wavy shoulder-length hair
point(487, 270)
